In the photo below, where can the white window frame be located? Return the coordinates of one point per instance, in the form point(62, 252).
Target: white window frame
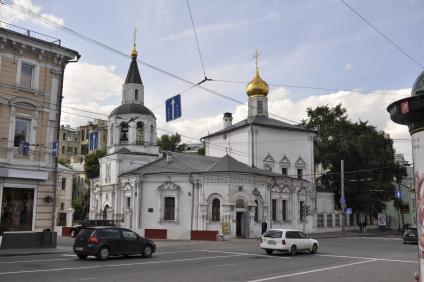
point(168, 189)
point(35, 73)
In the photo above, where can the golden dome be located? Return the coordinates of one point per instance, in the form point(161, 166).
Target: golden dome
point(134, 52)
point(257, 86)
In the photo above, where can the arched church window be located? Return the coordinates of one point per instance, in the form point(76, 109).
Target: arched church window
point(152, 134)
point(139, 133)
point(111, 135)
point(256, 211)
point(240, 204)
point(216, 210)
point(124, 132)
point(136, 94)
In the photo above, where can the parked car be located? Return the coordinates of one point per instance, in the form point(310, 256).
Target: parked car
point(410, 235)
point(103, 242)
point(90, 223)
point(287, 240)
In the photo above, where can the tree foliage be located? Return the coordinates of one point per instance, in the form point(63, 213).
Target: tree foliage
point(82, 206)
point(171, 143)
point(368, 157)
point(91, 164)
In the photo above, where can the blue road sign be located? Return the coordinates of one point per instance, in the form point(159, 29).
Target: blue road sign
point(173, 108)
point(55, 148)
point(398, 194)
point(342, 201)
point(348, 210)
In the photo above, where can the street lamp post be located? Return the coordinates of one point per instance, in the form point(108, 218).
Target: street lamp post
point(342, 196)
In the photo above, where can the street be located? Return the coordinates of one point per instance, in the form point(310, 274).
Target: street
point(346, 259)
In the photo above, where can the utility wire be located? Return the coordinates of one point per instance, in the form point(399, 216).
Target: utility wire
point(197, 40)
point(382, 34)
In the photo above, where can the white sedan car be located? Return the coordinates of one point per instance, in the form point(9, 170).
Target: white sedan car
point(287, 240)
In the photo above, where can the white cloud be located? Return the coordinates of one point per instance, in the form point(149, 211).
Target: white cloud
point(9, 15)
point(348, 67)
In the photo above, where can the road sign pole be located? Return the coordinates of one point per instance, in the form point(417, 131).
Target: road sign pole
point(342, 195)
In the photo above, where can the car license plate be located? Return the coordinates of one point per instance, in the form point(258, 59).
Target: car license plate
point(79, 248)
point(411, 235)
point(271, 242)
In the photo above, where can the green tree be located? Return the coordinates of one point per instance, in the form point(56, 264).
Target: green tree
point(91, 164)
point(171, 143)
point(82, 206)
point(368, 157)
point(64, 163)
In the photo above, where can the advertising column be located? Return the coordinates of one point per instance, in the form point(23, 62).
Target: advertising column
point(417, 154)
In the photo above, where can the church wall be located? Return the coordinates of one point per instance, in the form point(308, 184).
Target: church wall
point(152, 202)
point(235, 143)
point(278, 142)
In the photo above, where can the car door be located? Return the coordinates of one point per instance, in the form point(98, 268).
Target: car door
point(291, 239)
point(304, 242)
point(133, 244)
point(113, 238)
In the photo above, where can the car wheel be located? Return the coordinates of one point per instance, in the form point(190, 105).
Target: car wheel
point(314, 249)
point(147, 251)
point(82, 256)
point(293, 250)
point(269, 252)
point(103, 253)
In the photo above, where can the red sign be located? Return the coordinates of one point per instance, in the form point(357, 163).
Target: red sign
point(404, 107)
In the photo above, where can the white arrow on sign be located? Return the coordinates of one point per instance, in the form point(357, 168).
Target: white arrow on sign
point(172, 107)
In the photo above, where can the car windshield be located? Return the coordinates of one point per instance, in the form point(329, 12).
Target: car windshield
point(274, 234)
point(411, 231)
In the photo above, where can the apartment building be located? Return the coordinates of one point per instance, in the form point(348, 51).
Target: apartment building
point(32, 67)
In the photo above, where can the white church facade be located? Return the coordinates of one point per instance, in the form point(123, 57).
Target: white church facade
point(256, 174)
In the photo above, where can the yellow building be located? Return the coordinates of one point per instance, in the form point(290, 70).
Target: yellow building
point(31, 80)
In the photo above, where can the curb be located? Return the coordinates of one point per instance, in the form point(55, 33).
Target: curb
point(15, 253)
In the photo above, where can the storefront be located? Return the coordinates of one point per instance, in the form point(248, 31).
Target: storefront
point(17, 212)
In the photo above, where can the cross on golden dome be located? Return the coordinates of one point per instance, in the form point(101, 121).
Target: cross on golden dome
point(134, 50)
point(257, 86)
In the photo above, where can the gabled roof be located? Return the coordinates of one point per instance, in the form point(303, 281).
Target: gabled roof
point(262, 121)
point(133, 75)
point(185, 163)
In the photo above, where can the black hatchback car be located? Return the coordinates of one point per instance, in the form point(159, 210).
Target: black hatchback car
point(410, 235)
point(103, 242)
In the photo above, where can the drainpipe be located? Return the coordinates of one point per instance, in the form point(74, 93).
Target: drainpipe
point(140, 200)
point(190, 179)
point(252, 145)
point(59, 109)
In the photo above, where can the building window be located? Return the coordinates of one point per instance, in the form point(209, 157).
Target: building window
point(256, 211)
point(260, 107)
point(299, 173)
point(63, 149)
point(27, 75)
point(136, 94)
point(302, 210)
point(139, 133)
point(169, 208)
point(64, 136)
point(62, 206)
point(320, 220)
point(128, 202)
point(70, 150)
point(284, 170)
point(21, 131)
point(70, 138)
point(17, 208)
point(63, 183)
point(216, 210)
point(274, 210)
point(124, 132)
point(337, 219)
point(75, 151)
point(284, 211)
point(82, 135)
point(152, 134)
point(111, 135)
point(84, 149)
point(330, 220)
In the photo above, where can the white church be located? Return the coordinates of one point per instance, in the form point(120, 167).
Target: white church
point(257, 173)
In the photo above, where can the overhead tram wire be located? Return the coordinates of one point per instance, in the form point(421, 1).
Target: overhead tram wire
point(39, 17)
point(197, 40)
point(382, 34)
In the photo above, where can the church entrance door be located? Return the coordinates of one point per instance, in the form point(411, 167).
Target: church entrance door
point(241, 224)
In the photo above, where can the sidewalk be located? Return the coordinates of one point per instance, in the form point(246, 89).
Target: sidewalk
point(65, 243)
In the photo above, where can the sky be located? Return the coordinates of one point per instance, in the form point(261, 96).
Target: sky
point(303, 43)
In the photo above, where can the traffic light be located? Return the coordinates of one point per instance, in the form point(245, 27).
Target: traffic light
point(308, 210)
point(302, 210)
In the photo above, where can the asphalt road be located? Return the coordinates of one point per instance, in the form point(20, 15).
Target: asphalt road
point(339, 259)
